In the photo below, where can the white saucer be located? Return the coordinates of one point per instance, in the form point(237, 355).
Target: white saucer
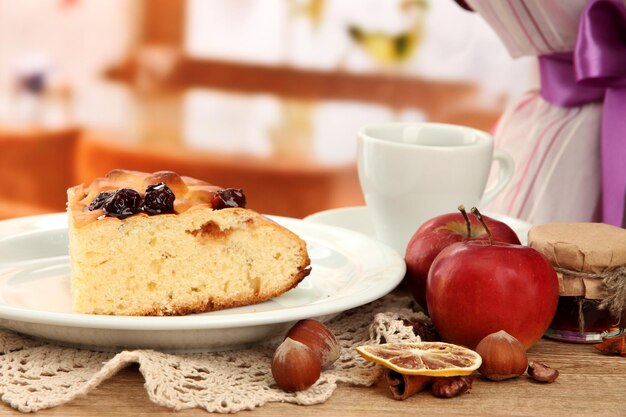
point(357, 219)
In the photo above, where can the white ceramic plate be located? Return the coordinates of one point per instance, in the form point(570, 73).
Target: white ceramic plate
point(357, 219)
point(349, 269)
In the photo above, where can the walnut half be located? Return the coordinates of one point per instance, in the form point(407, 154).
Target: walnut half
point(542, 373)
point(448, 387)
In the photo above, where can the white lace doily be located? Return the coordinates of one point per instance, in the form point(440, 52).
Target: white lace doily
point(35, 375)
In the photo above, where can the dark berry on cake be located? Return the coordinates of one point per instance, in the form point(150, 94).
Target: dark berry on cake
point(159, 199)
point(229, 197)
point(100, 199)
point(123, 203)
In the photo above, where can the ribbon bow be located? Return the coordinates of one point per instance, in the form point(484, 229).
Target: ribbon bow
point(596, 71)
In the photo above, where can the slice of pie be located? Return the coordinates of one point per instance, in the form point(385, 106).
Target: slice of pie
point(163, 244)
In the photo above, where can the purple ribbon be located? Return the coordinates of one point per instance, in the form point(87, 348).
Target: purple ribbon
point(596, 71)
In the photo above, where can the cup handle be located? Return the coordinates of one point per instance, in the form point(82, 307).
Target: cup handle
point(505, 173)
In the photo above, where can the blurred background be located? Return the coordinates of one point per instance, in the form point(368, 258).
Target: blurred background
point(264, 95)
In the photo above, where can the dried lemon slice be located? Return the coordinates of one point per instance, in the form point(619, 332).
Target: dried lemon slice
point(423, 358)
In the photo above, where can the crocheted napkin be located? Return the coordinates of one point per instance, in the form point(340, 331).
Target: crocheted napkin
point(35, 375)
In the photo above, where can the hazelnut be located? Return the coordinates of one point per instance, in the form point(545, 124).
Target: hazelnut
point(318, 338)
point(542, 373)
point(295, 366)
point(503, 356)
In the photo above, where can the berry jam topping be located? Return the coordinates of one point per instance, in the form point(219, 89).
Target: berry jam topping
point(100, 199)
point(159, 199)
point(123, 203)
point(229, 197)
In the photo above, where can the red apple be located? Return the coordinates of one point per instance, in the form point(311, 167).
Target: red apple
point(438, 233)
point(476, 288)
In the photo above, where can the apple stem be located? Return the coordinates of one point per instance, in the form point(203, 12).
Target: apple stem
point(480, 218)
point(468, 224)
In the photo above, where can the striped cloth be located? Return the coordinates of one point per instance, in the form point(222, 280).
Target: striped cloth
point(556, 150)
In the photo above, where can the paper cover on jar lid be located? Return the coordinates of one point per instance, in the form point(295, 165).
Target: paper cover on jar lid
point(587, 256)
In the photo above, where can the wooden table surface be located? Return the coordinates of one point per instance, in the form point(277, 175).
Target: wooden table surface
point(590, 384)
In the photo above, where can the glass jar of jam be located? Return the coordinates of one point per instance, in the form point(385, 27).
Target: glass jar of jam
point(578, 319)
point(584, 255)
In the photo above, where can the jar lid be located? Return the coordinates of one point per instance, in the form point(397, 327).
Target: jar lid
point(592, 249)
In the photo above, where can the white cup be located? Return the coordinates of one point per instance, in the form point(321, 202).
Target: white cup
point(411, 172)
